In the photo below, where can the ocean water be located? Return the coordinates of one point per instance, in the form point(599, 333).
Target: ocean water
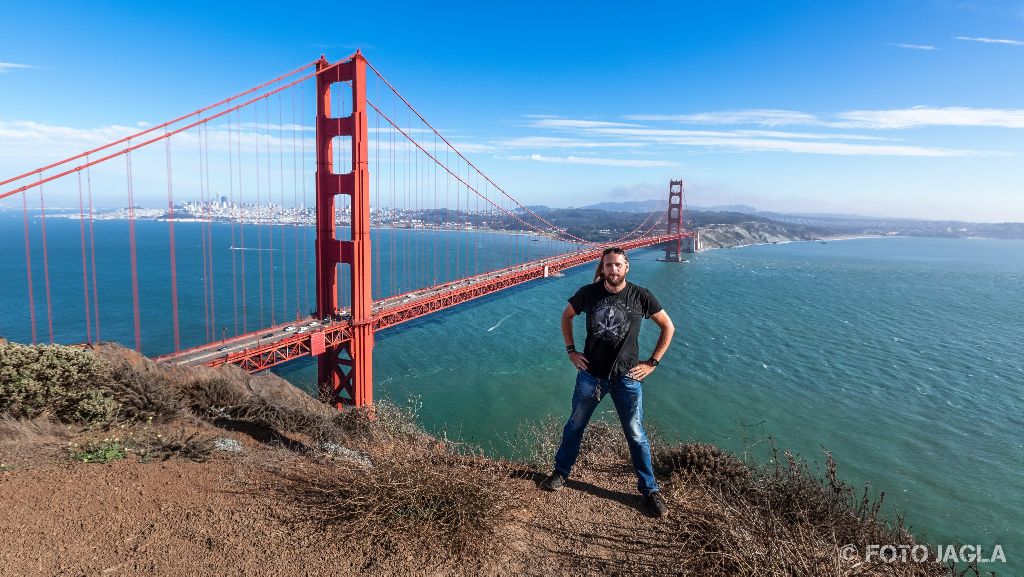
point(902, 356)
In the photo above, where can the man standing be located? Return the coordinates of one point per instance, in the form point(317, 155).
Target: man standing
point(609, 364)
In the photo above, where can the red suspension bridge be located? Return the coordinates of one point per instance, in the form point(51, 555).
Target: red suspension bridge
point(428, 231)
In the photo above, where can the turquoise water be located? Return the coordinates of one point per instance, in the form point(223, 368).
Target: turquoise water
point(900, 355)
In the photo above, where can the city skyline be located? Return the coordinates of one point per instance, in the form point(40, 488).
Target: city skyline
point(908, 110)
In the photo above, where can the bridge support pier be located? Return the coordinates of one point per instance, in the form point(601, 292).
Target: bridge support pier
point(345, 372)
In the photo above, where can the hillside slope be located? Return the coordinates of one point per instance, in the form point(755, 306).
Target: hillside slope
point(216, 472)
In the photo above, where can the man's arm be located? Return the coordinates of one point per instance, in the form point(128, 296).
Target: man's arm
point(644, 368)
point(575, 357)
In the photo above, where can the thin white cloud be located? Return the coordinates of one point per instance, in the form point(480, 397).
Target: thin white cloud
point(22, 131)
point(779, 141)
point(913, 117)
point(983, 40)
point(807, 135)
point(919, 116)
point(466, 148)
point(616, 162)
point(759, 116)
point(553, 142)
point(912, 46)
point(573, 123)
point(7, 66)
point(819, 147)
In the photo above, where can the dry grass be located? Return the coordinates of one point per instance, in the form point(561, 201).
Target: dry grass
point(144, 397)
point(439, 502)
point(702, 463)
point(415, 495)
point(535, 443)
point(733, 518)
point(777, 519)
point(213, 397)
point(181, 443)
point(24, 441)
point(30, 431)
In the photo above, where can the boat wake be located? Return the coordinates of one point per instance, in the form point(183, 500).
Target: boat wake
point(499, 323)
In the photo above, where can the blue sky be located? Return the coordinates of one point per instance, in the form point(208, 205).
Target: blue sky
point(911, 108)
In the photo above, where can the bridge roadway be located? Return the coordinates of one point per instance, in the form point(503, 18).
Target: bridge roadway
point(260, 350)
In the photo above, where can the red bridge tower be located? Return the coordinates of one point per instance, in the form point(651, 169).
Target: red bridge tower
point(673, 248)
point(345, 372)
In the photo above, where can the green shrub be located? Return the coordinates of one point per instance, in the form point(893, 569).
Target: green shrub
point(99, 451)
point(67, 382)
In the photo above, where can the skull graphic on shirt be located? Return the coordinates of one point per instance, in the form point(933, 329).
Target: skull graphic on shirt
point(610, 321)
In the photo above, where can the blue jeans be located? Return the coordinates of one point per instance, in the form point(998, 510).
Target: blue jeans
point(628, 398)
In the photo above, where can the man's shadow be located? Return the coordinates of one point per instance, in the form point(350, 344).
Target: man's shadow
point(630, 500)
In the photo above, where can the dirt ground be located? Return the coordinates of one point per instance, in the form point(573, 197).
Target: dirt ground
point(179, 517)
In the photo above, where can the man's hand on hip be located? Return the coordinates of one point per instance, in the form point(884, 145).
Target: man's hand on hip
point(578, 360)
point(641, 370)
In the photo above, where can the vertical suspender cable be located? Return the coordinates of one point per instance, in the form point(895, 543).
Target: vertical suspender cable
point(295, 206)
point(433, 184)
point(259, 228)
point(305, 204)
point(458, 232)
point(232, 215)
point(85, 273)
point(281, 225)
point(394, 208)
point(171, 247)
point(241, 226)
point(134, 256)
point(407, 206)
point(209, 232)
point(376, 193)
point(270, 223)
point(202, 239)
point(28, 266)
point(447, 203)
point(46, 261)
point(92, 248)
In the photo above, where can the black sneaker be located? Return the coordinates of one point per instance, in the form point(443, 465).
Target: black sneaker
point(656, 504)
point(553, 482)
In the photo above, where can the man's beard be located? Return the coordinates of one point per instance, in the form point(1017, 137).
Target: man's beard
point(621, 280)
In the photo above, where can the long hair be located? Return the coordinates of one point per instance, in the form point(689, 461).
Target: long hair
point(599, 273)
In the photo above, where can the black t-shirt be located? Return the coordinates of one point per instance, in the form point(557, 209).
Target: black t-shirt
point(613, 324)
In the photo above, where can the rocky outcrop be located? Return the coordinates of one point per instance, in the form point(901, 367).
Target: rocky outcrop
point(746, 233)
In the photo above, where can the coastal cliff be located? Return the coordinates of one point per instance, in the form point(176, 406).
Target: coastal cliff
point(752, 232)
point(111, 463)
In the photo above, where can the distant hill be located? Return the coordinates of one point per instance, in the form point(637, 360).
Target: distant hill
point(629, 205)
point(825, 224)
point(853, 224)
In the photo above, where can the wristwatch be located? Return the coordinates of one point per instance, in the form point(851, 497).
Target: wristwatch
point(653, 361)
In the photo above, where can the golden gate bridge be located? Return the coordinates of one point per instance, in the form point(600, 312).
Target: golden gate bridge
point(380, 163)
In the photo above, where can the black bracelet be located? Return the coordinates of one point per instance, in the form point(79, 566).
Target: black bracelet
point(570, 348)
